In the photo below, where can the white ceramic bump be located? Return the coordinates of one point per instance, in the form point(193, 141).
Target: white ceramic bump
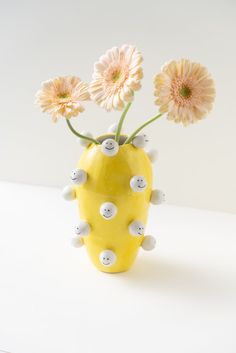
point(157, 197)
point(78, 176)
point(138, 183)
point(107, 258)
point(140, 141)
point(77, 242)
point(83, 142)
point(152, 155)
point(109, 147)
point(82, 228)
point(113, 128)
point(68, 193)
point(148, 243)
point(108, 210)
point(136, 228)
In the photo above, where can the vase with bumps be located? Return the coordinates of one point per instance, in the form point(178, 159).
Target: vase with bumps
point(112, 185)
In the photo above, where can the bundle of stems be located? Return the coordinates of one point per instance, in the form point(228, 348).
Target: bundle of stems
point(119, 128)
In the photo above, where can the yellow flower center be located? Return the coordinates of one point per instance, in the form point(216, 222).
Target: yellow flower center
point(185, 92)
point(115, 76)
point(63, 95)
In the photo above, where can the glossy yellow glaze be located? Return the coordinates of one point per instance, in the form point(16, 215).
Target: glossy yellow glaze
point(108, 181)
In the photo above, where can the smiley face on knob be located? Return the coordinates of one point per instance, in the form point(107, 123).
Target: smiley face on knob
point(109, 147)
point(107, 258)
point(138, 183)
point(108, 210)
point(140, 141)
point(78, 176)
point(136, 228)
point(82, 228)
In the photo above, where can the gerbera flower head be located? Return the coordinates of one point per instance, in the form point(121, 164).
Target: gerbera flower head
point(116, 76)
point(62, 96)
point(185, 91)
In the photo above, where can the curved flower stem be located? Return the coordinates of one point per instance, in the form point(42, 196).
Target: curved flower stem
point(131, 137)
point(122, 118)
point(79, 135)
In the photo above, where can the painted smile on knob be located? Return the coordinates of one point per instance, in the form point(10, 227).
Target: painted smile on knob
point(107, 216)
point(108, 210)
point(141, 186)
point(138, 183)
point(109, 147)
point(107, 258)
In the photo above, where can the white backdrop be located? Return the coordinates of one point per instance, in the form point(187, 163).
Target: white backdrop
point(42, 39)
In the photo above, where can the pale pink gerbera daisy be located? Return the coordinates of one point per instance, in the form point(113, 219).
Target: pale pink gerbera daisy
point(185, 91)
point(116, 76)
point(62, 96)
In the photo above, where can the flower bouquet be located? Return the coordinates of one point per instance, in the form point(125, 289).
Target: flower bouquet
point(113, 179)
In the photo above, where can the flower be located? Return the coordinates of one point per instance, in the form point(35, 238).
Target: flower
point(62, 96)
point(185, 90)
point(116, 76)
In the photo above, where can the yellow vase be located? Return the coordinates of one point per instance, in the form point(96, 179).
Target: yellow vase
point(108, 180)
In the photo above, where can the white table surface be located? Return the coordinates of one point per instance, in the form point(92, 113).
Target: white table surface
point(179, 298)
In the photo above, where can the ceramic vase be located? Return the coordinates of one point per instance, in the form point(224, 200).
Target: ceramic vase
point(113, 197)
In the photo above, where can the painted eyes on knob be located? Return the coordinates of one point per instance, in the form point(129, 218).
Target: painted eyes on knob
point(138, 183)
point(140, 141)
point(136, 228)
point(107, 258)
point(109, 147)
point(78, 176)
point(108, 210)
point(83, 228)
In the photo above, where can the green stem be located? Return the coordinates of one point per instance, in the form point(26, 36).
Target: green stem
point(131, 137)
point(122, 118)
point(80, 135)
